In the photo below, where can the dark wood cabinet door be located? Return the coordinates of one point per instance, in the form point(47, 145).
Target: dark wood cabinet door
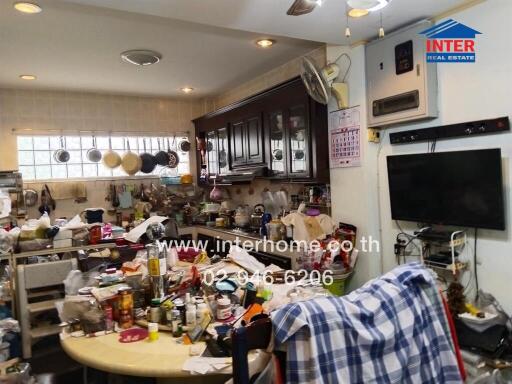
point(299, 153)
point(238, 151)
point(277, 143)
point(222, 136)
point(212, 153)
point(254, 135)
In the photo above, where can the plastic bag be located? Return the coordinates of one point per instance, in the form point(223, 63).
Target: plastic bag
point(77, 279)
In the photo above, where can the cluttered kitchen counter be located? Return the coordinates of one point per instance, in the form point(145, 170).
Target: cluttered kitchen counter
point(195, 302)
point(172, 283)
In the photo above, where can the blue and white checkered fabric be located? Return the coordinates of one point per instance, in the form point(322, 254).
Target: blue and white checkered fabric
point(388, 331)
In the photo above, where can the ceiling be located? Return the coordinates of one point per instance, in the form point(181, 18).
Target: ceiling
point(324, 24)
point(206, 44)
point(76, 47)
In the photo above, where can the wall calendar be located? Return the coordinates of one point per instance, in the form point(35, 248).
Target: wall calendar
point(345, 138)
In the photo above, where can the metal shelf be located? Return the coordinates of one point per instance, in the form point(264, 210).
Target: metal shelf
point(49, 251)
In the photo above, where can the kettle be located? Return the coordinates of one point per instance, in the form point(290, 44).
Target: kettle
point(242, 217)
point(257, 216)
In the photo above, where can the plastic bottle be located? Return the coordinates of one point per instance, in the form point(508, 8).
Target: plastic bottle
point(202, 310)
point(176, 323)
point(153, 331)
point(191, 316)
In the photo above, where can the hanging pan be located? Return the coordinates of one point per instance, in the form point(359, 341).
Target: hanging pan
point(111, 159)
point(174, 158)
point(148, 161)
point(94, 154)
point(162, 157)
point(131, 162)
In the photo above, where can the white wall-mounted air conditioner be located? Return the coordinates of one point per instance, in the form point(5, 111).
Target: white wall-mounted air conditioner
point(400, 85)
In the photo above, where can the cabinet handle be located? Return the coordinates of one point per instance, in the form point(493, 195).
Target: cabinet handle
point(417, 70)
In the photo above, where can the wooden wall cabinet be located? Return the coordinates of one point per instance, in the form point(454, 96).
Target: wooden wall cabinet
point(282, 129)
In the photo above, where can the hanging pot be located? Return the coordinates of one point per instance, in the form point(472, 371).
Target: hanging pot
point(148, 161)
point(174, 158)
point(94, 154)
point(61, 155)
point(162, 157)
point(31, 197)
point(184, 145)
point(111, 159)
point(131, 162)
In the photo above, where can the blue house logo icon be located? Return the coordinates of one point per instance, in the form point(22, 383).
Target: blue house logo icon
point(450, 42)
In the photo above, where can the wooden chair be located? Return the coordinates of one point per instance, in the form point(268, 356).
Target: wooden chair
point(33, 277)
point(256, 335)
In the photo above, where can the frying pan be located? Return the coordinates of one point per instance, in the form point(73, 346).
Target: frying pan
point(184, 145)
point(131, 162)
point(31, 197)
point(174, 158)
point(94, 154)
point(111, 159)
point(148, 161)
point(61, 155)
point(162, 157)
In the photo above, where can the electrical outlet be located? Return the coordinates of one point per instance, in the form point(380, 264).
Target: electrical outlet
point(373, 135)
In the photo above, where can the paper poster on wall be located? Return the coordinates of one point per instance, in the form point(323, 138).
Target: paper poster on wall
point(345, 138)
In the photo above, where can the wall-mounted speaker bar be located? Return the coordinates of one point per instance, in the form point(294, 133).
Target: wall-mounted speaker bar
point(472, 128)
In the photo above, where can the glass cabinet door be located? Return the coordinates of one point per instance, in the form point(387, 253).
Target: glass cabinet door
point(277, 150)
point(298, 141)
point(222, 135)
point(212, 153)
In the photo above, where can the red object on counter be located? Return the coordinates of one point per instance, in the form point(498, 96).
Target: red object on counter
point(188, 254)
point(95, 234)
point(132, 335)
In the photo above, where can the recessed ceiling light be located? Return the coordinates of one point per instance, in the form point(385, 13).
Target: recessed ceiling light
point(357, 12)
point(26, 7)
point(265, 43)
point(141, 57)
point(370, 5)
point(186, 89)
point(28, 77)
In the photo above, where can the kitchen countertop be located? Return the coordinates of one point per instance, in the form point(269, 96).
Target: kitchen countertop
point(247, 240)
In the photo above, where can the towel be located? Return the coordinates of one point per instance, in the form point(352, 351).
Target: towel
point(68, 191)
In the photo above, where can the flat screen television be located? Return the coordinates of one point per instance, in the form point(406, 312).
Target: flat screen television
point(463, 188)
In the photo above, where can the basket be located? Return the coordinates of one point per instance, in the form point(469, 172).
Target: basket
point(338, 285)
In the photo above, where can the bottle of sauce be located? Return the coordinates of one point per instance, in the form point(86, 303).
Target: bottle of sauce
point(125, 307)
point(154, 272)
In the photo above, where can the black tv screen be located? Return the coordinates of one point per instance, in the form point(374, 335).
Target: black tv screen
point(463, 188)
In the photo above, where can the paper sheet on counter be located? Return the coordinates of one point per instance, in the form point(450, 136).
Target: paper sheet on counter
point(134, 235)
point(203, 365)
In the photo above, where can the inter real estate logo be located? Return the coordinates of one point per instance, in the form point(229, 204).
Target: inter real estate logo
point(450, 42)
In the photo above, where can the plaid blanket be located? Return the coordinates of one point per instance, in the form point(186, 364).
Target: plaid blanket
point(388, 331)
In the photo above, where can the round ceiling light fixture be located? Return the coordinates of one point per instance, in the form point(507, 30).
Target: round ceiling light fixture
point(28, 77)
point(265, 43)
point(186, 89)
point(369, 5)
point(358, 12)
point(26, 7)
point(141, 57)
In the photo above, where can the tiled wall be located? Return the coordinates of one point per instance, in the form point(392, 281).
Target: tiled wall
point(58, 111)
point(267, 80)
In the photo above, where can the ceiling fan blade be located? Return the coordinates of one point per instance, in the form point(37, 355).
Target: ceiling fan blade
point(301, 7)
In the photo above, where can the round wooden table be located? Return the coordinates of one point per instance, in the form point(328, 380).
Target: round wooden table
point(163, 358)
